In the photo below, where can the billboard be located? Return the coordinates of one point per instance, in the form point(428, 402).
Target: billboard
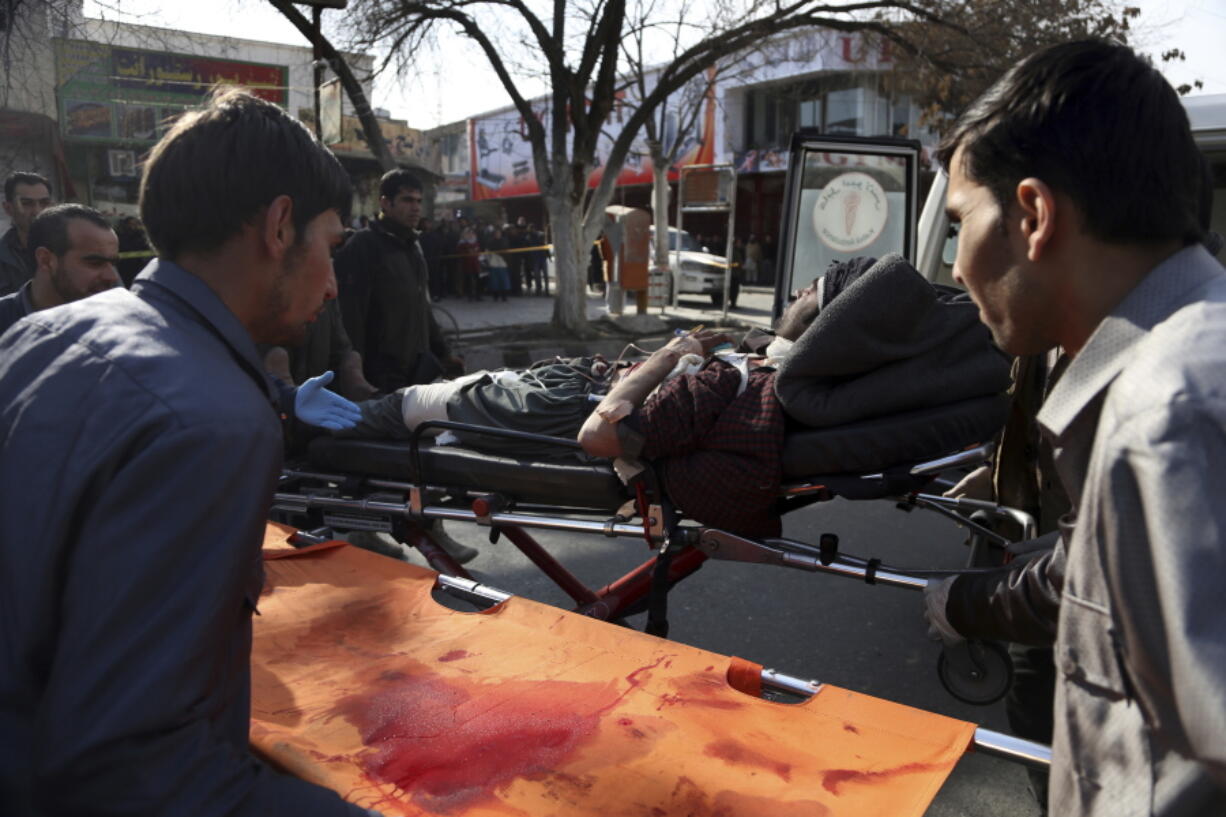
point(404, 143)
point(501, 156)
point(108, 93)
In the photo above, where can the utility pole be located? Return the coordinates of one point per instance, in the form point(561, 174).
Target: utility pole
point(317, 56)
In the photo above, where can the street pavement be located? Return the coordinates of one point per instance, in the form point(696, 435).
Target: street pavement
point(474, 326)
point(753, 308)
point(839, 631)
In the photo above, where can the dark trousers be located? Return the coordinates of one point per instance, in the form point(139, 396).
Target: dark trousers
point(1029, 705)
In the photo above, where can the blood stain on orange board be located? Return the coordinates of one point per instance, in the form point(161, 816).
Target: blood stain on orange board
point(834, 779)
point(730, 751)
point(847, 727)
point(450, 744)
point(454, 655)
point(362, 629)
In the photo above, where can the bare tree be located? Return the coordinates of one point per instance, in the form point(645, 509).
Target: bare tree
point(946, 71)
point(26, 28)
point(578, 46)
point(671, 129)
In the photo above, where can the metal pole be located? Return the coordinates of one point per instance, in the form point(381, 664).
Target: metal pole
point(728, 249)
point(677, 245)
point(317, 13)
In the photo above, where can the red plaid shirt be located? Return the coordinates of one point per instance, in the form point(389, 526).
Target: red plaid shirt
point(719, 452)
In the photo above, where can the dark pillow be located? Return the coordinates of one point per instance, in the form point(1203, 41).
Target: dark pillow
point(889, 342)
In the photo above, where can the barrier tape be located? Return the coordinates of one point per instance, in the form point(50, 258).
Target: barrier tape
point(719, 264)
point(152, 254)
point(500, 252)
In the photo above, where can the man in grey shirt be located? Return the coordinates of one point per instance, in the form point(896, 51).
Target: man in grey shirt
point(1076, 184)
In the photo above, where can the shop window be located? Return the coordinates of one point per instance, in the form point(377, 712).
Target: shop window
point(902, 117)
point(845, 112)
point(810, 114)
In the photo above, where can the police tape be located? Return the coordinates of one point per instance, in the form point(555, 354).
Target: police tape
point(507, 251)
point(719, 264)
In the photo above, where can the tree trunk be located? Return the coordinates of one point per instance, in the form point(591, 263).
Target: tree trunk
point(659, 205)
point(570, 259)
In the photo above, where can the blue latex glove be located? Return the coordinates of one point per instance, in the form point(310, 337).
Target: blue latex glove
point(316, 406)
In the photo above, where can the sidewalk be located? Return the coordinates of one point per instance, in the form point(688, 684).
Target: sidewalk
point(494, 335)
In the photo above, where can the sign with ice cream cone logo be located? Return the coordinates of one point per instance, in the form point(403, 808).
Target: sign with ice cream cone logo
point(850, 212)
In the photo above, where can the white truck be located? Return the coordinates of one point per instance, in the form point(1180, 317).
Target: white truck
point(1207, 116)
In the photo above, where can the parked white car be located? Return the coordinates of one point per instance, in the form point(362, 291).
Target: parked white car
point(701, 271)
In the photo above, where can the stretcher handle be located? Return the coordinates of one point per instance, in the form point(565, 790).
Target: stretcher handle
point(971, 456)
point(508, 433)
point(940, 503)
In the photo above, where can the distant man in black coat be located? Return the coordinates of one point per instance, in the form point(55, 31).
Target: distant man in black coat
point(25, 196)
point(384, 293)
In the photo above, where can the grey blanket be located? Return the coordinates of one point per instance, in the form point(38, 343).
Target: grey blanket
point(889, 342)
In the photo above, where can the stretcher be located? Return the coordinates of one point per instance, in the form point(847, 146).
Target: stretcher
point(364, 683)
point(393, 486)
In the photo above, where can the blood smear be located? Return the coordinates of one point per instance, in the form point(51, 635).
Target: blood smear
point(834, 779)
point(448, 746)
point(734, 752)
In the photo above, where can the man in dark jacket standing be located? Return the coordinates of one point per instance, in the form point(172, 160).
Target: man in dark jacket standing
point(140, 444)
point(384, 293)
point(25, 196)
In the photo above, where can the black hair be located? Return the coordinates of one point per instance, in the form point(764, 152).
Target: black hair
point(1094, 121)
point(50, 227)
point(21, 177)
point(219, 166)
point(394, 181)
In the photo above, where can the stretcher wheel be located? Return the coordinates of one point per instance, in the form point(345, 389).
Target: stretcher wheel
point(976, 672)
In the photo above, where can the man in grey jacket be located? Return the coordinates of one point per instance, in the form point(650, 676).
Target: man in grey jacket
point(1076, 183)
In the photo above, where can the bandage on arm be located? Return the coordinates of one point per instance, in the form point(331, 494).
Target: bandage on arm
point(599, 433)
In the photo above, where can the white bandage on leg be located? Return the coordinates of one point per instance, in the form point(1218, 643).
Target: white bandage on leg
point(429, 401)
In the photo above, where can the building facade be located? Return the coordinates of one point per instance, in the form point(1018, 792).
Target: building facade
point(840, 83)
point(29, 132)
point(86, 99)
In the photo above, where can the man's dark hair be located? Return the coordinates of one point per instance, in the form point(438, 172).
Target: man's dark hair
point(218, 167)
point(50, 227)
point(1098, 123)
point(21, 177)
point(394, 181)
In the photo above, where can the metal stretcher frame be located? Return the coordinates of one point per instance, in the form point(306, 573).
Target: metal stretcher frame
point(684, 548)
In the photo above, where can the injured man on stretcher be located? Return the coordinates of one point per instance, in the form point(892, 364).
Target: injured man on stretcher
point(867, 339)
